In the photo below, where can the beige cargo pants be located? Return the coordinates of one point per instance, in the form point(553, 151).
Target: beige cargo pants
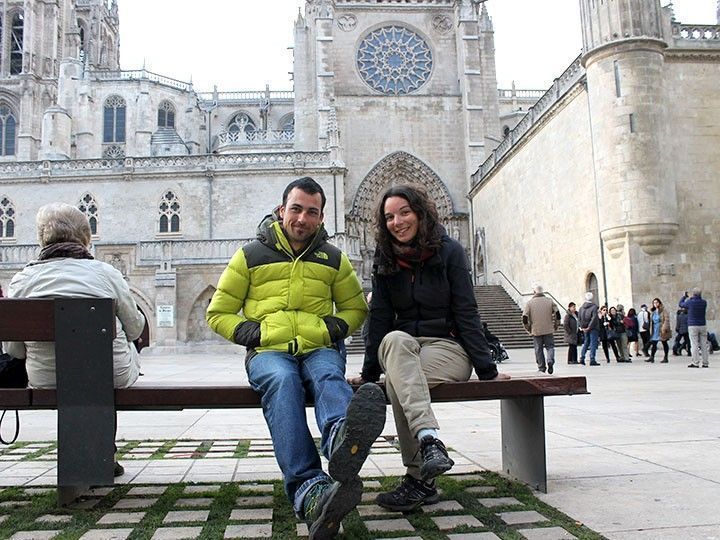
point(412, 366)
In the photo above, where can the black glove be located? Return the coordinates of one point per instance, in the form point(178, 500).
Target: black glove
point(247, 333)
point(336, 327)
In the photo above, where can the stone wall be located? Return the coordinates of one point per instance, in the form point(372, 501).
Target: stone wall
point(539, 204)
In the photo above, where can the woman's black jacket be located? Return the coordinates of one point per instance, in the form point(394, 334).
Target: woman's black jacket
point(433, 299)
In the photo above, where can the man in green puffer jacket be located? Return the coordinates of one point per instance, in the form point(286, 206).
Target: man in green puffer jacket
point(288, 297)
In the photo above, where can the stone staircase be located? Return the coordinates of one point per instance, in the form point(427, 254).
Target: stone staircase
point(499, 310)
point(503, 316)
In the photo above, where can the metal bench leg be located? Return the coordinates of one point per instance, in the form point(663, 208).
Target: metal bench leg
point(85, 396)
point(523, 440)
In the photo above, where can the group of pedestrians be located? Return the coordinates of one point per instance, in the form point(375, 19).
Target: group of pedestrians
point(592, 326)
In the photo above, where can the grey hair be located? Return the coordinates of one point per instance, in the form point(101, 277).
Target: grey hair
point(537, 288)
point(60, 222)
point(697, 291)
point(588, 296)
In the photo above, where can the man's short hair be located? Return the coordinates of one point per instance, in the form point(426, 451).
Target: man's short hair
point(588, 296)
point(309, 186)
point(571, 304)
point(697, 291)
point(537, 288)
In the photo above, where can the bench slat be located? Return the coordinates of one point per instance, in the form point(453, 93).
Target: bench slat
point(241, 397)
point(27, 319)
point(15, 398)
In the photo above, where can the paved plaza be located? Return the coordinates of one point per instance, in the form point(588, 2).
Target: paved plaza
point(636, 459)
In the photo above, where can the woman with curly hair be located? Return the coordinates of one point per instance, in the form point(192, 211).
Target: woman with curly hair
point(423, 330)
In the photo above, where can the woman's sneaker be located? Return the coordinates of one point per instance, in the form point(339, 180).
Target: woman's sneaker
point(410, 494)
point(435, 458)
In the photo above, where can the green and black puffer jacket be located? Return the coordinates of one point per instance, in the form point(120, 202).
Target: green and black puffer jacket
point(287, 294)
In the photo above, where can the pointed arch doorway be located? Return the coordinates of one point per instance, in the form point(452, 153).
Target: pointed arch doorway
point(395, 169)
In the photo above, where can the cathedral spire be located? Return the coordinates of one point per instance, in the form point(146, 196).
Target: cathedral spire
point(486, 24)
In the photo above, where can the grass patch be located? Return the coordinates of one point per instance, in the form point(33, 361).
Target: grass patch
point(23, 509)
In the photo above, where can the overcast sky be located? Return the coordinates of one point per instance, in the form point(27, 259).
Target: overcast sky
point(243, 44)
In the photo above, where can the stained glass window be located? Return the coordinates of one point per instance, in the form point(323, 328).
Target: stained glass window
point(394, 60)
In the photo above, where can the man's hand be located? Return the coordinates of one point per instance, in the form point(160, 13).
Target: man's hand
point(248, 334)
point(337, 328)
point(356, 380)
point(501, 377)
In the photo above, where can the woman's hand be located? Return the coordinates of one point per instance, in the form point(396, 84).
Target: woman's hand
point(501, 377)
point(356, 380)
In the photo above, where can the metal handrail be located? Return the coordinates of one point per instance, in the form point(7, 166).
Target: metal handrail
point(530, 293)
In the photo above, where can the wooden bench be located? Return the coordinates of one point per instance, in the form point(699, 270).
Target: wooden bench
point(83, 329)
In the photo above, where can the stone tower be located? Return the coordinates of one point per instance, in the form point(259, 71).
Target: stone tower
point(398, 92)
point(623, 53)
point(92, 41)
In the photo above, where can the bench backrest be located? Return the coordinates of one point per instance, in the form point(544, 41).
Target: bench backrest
point(83, 330)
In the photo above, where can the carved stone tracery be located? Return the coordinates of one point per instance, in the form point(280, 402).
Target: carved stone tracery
point(395, 169)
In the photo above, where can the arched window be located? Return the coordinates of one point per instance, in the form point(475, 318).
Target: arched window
point(16, 43)
point(287, 123)
point(241, 122)
point(7, 218)
point(8, 128)
point(169, 213)
point(166, 115)
point(88, 206)
point(591, 285)
point(506, 131)
point(114, 120)
point(83, 45)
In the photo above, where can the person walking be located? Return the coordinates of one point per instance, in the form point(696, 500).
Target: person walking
point(423, 330)
point(589, 324)
point(696, 306)
point(660, 330)
point(540, 319)
point(288, 297)
point(570, 326)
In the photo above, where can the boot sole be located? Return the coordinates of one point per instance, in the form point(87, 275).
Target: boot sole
point(364, 422)
point(433, 499)
point(339, 504)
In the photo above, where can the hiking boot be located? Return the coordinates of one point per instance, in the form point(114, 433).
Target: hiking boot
point(364, 422)
point(435, 458)
point(326, 504)
point(410, 494)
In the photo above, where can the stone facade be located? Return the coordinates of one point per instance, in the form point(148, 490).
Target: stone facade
point(175, 180)
point(615, 173)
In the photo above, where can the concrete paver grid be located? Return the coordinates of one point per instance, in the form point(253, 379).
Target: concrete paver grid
point(638, 421)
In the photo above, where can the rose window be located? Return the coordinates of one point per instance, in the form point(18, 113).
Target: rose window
point(394, 60)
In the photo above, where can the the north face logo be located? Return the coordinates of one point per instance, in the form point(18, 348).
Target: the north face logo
point(321, 255)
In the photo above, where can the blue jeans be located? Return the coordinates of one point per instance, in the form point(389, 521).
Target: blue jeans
point(591, 340)
point(283, 381)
